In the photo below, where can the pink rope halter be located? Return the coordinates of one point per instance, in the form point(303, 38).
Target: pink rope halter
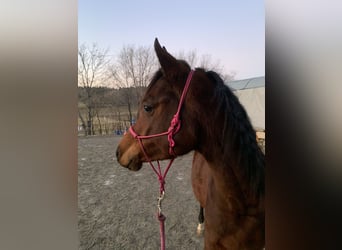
point(174, 127)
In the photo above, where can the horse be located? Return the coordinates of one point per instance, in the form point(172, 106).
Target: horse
point(228, 166)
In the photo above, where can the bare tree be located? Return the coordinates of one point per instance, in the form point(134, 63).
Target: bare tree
point(132, 72)
point(190, 57)
point(206, 62)
point(146, 65)
point(92, 71)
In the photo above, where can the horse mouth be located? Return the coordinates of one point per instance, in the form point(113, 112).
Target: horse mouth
point(134, 165)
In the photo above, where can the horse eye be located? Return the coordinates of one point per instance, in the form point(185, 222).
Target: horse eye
point(148, 108)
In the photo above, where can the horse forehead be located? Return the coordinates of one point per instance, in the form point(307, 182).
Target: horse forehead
point(161, 86)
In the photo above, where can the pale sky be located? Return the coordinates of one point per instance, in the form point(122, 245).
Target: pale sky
point(232, 32)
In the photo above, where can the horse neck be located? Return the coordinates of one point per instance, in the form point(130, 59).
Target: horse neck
point(225, 189)
point(227, 141)
point(228, 186)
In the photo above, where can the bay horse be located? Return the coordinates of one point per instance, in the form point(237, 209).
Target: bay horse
point(228, 166)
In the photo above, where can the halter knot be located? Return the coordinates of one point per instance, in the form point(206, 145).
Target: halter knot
point(161, 217)
point(175, 126)
point(161, 182)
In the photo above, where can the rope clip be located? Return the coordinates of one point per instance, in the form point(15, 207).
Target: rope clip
point(160, 198)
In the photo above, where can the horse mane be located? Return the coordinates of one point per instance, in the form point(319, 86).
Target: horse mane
point(238, 138)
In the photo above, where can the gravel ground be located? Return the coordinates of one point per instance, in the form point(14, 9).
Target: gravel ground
point(117, 207)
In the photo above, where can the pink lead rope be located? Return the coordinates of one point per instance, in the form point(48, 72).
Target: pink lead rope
point(175, 126)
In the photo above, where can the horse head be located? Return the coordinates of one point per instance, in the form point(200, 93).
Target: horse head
point(156, 114)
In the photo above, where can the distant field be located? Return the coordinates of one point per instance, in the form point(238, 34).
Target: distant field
point(110, 118)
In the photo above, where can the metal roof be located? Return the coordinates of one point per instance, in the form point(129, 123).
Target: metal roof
point(255, 82)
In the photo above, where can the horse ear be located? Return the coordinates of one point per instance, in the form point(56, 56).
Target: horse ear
point(170, 65)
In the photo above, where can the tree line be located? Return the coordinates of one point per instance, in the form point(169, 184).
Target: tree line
point(110, 87)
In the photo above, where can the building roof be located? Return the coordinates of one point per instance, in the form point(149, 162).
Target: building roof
point(255, 82)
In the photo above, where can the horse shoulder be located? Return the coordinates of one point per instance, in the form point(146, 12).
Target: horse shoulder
point(200, 173)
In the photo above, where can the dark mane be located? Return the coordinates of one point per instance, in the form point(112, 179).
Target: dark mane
point(238, 137)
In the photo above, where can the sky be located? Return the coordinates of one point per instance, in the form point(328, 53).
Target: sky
point(231, 32)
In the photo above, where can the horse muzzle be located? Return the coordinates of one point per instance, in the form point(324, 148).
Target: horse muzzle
point(127, 154)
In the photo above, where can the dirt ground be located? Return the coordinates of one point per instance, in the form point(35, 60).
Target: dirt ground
point(117, 207)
